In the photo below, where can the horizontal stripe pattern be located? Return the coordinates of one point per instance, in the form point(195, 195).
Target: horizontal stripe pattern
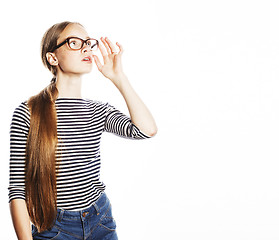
point(80, 124)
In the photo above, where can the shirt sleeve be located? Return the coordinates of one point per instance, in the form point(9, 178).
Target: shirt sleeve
point(118, 123)
point(18, 136)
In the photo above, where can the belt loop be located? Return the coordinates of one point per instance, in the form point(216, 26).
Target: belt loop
point(95, 204)
point(60, 216)
point(97, 208)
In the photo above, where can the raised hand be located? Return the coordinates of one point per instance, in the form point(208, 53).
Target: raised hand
point(112, 67)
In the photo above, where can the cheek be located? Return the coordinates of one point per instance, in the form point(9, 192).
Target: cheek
point(71, 62)
point(68, 62)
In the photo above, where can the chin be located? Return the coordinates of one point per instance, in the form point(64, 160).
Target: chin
point(86, 70)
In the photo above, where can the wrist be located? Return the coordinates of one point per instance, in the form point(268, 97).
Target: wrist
point(121, 82)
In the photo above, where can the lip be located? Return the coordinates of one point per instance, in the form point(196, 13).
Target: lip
point(87, 59)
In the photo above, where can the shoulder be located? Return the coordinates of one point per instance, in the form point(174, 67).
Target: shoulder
point(97, 104)
point(94, 102)
point(101, 108)
point(21, 117)
point(22, 111)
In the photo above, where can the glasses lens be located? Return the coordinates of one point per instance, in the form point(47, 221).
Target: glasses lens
point(92, 43)
point(75, 43)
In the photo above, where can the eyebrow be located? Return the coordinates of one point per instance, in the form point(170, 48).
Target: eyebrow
point(78, 37)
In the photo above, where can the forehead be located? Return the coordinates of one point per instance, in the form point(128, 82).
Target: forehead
point(73, 30)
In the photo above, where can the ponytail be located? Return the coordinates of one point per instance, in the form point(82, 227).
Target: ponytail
point(40, 175)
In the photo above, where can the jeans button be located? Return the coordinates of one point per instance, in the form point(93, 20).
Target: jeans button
point(84, 214)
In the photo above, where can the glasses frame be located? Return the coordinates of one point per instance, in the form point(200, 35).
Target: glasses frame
point(83, 42)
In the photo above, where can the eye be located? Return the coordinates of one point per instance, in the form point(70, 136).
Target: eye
point(88, 43)
point(75, 43)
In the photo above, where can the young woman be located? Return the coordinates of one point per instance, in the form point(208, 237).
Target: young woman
point(55, 141)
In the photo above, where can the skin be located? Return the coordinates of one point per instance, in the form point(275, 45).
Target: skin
point(70, 69)
point(21, 219)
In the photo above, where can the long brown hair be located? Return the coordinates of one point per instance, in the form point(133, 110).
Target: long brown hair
point(40, 167)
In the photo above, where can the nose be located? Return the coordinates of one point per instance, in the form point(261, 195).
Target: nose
point(86, 48)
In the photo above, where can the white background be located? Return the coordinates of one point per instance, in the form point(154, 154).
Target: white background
point(208, 71)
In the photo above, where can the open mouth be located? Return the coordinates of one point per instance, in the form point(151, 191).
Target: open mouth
point(87, 59)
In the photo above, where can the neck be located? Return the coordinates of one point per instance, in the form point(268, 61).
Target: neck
point(69, 86)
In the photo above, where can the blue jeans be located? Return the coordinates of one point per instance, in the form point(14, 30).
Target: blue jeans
point(95, 222)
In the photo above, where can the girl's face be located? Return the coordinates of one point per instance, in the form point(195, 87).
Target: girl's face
point(70, 61)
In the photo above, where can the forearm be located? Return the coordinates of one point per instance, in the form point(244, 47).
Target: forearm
point(112, 69)
point(139, 113)
point(21, 219)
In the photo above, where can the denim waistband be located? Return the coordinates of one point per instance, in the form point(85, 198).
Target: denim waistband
point(93, 209)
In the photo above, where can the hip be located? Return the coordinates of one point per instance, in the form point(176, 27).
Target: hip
point(95, 222)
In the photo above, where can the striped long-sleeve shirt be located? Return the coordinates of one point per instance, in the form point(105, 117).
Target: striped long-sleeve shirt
point(80, 124)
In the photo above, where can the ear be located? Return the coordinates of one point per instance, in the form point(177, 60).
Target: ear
point(51, 58)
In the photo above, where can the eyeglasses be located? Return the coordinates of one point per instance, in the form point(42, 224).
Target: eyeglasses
point(76, 43)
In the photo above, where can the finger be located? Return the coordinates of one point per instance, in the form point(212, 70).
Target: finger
point(111, 46)
point(120, 48)
point(103, 51)
point(98, 63)
point(106, 45)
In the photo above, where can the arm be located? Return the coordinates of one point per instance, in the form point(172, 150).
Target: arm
point(112, 69)
point(118, 123)
point(18, 136)
point(20, 219)
point(139, 113)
